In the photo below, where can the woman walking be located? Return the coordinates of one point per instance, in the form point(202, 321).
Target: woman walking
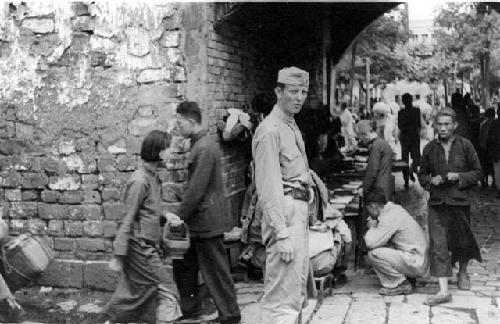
point(146, 291)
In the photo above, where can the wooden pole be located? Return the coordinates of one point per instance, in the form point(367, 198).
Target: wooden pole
point(367, 80)
point(351, 72)
point(333, 85)
point(325, 50)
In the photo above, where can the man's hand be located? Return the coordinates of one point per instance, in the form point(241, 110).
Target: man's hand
point(436, 181)
point(452, 176)
point(116, 263)
point(285, 248)
point(372, 222)
point(173, 219)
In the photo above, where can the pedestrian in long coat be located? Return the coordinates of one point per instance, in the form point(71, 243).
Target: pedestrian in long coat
point(450, 167)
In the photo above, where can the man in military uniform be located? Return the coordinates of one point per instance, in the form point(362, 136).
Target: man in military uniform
point(283, 186)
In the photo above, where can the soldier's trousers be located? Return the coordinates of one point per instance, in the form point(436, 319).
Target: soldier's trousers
point(285, 283)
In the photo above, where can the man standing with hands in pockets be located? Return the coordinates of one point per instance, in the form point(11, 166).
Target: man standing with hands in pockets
point(283, 187)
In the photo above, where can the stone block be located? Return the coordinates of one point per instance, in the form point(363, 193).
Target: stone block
point(145, 111)
point(171, 39)
point(56, 228)
point(39, 25)
point(92, 196)
point(34, 180)
point(26, 163)
point(109, 229)
point(127, 163)
point(64, 274)
point(64, 244)
point(74, 163)
point(172, 192)
point(97, 275)
point(73, 229)
point(90, 181)
point(68, 182)
point(66, 147)
point(102, 46)
point(51, 165)
point(142, 126)
point(179, 175)
point(106, 165)
point(137, 41)
point(71, 197)
point(17, 226)
point(111, 195)
point(91, 244)
point(23, 210)
point(80, 9)
point(52, 211)
point(30, 195)
point(134, 144)
point(10, 179)
point(114, 211)
point(93, 228)
point(153, 75)
point(50, 196)
point(13, 195)
point(2, 195)
point(155, 94)
point(84, 24)
point(113, 180)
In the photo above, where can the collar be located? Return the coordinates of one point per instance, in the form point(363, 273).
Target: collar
point(149, 168)
point(196, 136)
point(452, 139)
point(280, 115)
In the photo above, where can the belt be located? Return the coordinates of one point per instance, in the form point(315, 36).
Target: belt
point(300, 194)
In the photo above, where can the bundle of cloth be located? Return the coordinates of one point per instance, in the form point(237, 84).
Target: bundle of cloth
point(329, 243)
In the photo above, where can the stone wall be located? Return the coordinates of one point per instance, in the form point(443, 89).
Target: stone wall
point(81, 84)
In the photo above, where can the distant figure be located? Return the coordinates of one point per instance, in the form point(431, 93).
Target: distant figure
point(484, 154)
point(493, 148)
point(409, 124)
point(462, 117)
point(396, 243)
point(474, 124)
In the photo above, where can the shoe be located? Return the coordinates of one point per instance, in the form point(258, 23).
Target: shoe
point(412, 177)
point(438, 299)
point(403, 288)
point(233, 319)
point(463, 281)
point(407, 185)
point(198, 317)
point(413, 282)
point(11, 311)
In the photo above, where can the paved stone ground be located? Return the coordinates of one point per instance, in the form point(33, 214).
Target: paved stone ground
point(357, 301)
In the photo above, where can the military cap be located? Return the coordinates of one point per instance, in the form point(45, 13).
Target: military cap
point(293, 76)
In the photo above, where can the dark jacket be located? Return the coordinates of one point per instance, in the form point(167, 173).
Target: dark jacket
point(462, 159)
point(379, 169)
point(409, 123)
point(202, 204)
point(493, 141)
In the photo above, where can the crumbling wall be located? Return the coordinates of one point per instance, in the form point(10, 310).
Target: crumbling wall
point(81, 84)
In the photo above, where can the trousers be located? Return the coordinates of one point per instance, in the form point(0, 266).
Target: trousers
point(393, 266)
point(207, 255)
point(451, 238)
point(410, 149)
point(285, 283)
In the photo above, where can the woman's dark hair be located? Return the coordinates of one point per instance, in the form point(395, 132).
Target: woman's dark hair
point(376, 196)
point(190, 110)
point(155, 142)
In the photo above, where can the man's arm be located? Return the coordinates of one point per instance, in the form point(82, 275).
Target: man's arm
point(198, 182)
point(424, 174)
point(269, 182)
point(136, 193)
point(471, 177)
point(380, 235)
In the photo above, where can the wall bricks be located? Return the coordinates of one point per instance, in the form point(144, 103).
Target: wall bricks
point(34, 180)
point(23, 210)
point(114, 211)
point(73, 229)
point(52, 211)
point(91, 244)
point(71, 197)
point(63, 273)
point(97, 275)
point(50, 196)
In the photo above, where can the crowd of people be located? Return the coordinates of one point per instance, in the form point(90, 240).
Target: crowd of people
point(464, 145)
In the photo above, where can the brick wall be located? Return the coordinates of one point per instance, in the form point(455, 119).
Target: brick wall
point(81, 84)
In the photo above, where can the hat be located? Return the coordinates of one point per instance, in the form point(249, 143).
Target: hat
point(364, 126)
point(293, 76)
